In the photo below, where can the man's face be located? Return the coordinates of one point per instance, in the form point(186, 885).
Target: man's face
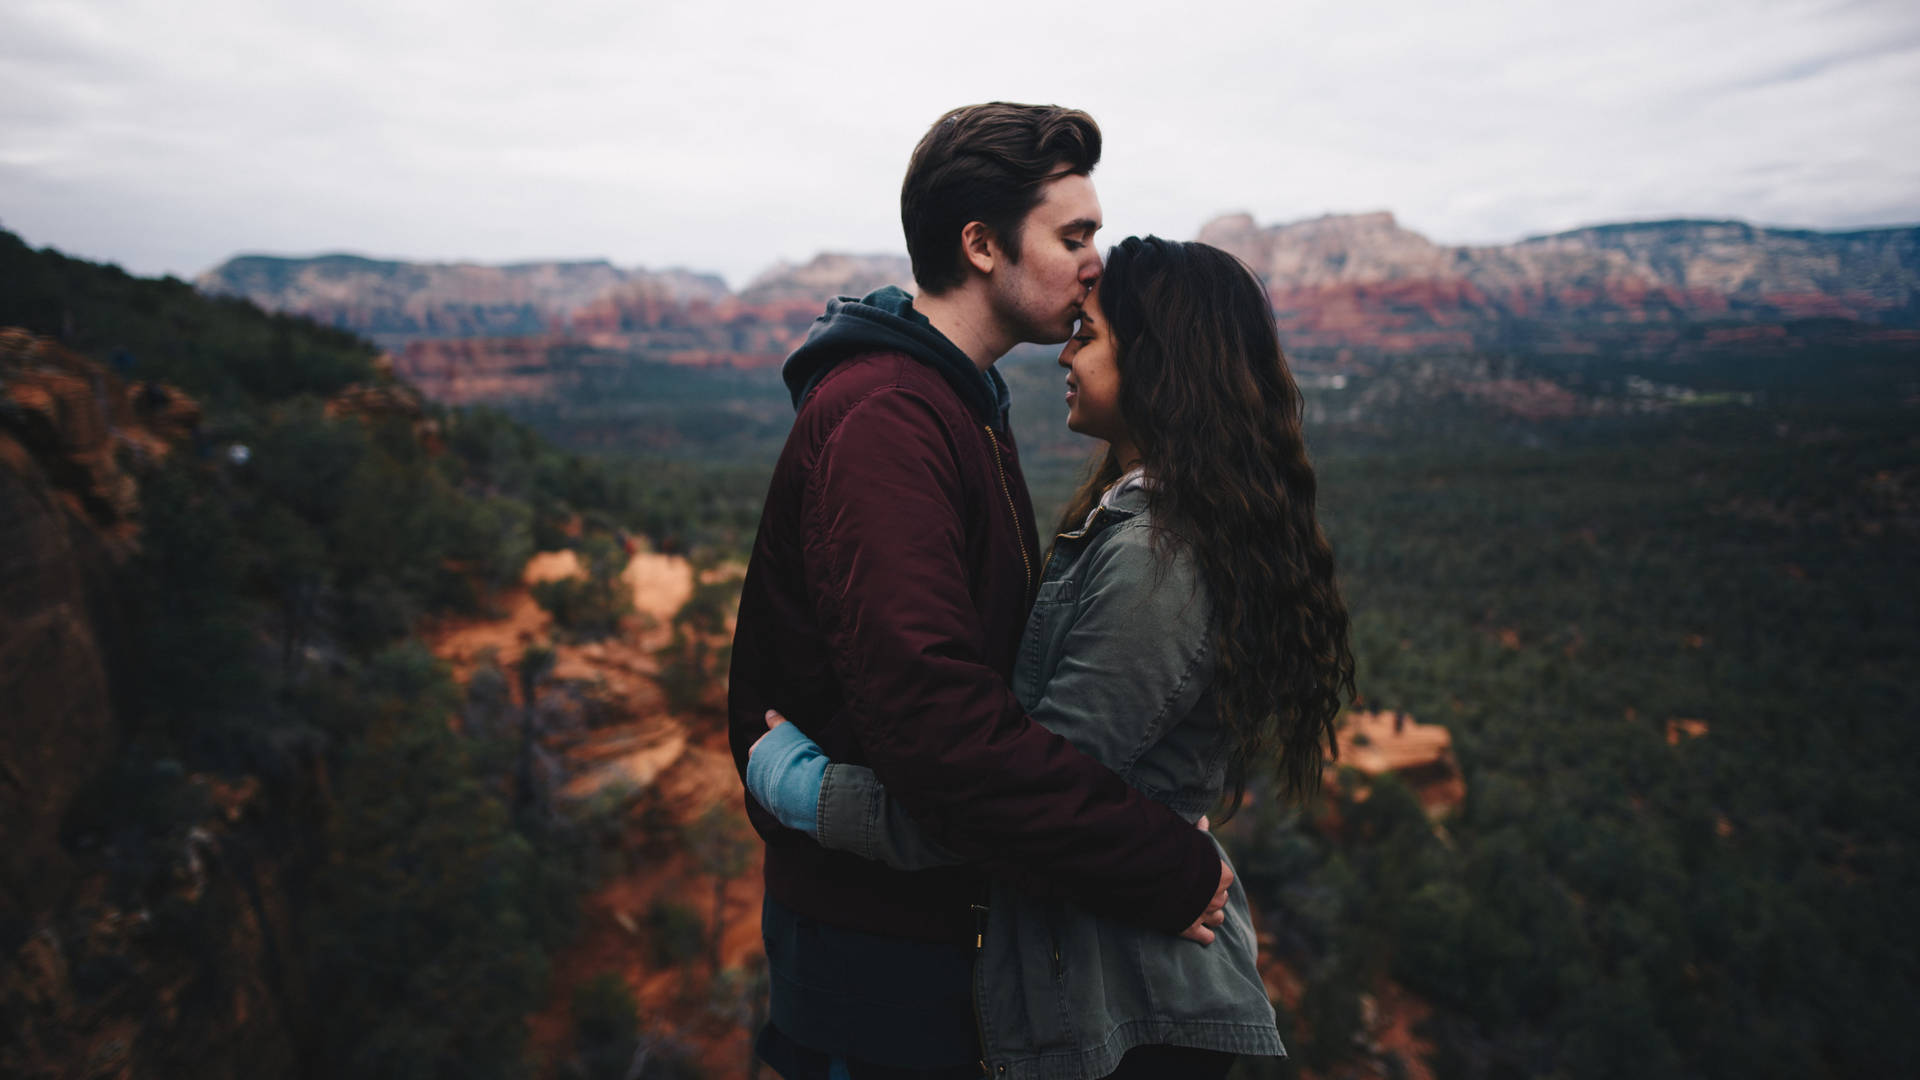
point(1039, 297)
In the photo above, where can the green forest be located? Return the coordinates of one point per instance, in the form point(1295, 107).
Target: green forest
point(1605, 902)
point(1554, 592)
point(268, 627)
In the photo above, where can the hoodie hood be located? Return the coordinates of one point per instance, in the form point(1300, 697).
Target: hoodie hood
point(884, 321)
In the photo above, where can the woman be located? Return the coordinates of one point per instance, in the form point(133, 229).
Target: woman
point(1187, 632)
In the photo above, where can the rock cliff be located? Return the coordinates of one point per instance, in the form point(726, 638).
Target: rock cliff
point(1364, 280)
point(466, 333)
point(189, 979)
point(827, 275)
point(1341, 285)
point(394, 302)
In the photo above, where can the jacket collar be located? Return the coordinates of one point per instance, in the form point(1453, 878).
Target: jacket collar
point(1124, 498)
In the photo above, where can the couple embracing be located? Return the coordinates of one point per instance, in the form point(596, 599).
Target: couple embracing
point(985, 823)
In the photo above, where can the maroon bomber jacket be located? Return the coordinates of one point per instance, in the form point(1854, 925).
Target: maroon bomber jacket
point(882, 610)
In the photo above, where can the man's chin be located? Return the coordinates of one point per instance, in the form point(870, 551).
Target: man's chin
point(1051, 335)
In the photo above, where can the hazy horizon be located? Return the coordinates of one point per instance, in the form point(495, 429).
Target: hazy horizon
point(737, 285)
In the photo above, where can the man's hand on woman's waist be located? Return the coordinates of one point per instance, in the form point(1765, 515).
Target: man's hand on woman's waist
point(785, 770)
point(1216, 912)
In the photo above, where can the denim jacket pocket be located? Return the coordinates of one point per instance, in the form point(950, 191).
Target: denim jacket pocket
point(1053, 603)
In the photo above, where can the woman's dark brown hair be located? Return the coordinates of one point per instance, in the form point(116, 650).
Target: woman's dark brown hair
point(1215, 415)
point(986, 163)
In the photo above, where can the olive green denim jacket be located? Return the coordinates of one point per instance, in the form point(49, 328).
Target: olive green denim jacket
point(1116, 659)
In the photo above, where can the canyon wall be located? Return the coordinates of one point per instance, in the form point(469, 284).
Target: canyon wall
point(188, 972)
point(1341, 285)
point(1364, 281)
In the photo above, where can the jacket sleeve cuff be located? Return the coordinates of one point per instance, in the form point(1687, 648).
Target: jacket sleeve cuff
point(784, 774)
point(845, 816)
point(1191, 890)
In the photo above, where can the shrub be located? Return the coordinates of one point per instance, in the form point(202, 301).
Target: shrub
point(677, 930)
point(604, 1010)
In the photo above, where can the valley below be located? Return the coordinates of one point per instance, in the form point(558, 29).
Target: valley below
point(364, 699)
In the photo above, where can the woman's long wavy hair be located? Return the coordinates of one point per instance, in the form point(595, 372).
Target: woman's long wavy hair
point(1215, 415)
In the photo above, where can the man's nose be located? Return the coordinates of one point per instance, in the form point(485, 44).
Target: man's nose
point(1090, 269)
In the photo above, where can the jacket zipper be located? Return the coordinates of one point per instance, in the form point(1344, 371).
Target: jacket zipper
point(1019, 537)
point(980, 910)
point(979, 947)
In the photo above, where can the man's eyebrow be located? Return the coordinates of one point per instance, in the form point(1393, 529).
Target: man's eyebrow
point(1081, 224)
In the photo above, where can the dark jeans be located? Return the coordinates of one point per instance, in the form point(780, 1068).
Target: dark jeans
point(866, 998)
point(1172, 1063)
point(795, 1062)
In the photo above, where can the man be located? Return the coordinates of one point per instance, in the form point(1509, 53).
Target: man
point(883, 609)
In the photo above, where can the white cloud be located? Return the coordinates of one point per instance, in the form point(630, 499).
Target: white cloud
point(168, 136)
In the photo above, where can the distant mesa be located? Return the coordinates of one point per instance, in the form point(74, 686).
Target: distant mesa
point(1363, 280)
point(396, 302)
point(467, 332)
point(1346, 289)
point(828, 275)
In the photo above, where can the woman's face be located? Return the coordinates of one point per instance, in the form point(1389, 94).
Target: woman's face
point(1093, 378)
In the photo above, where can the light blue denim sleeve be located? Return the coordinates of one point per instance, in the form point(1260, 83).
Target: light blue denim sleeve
point(784, 773)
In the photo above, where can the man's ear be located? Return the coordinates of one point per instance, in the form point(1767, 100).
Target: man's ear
point(979, 246)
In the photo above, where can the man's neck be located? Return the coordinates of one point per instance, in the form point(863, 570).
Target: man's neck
point(964, 318)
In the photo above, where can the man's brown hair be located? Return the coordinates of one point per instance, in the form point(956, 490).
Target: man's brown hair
point(986, 163)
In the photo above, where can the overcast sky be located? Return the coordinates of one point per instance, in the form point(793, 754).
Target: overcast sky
point(166, 136)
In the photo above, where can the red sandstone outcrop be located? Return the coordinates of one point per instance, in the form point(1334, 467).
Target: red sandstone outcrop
point(467, 370)
point(827, 275)
point(72, 439)
point(1684, 727)
point(393, 302)
point(1362, 279)
point(66, 517)
point(1420, 755)
point(388, 401)
point(1344, 287)
point(654, 318)
point(666, 775)
point(79, 428)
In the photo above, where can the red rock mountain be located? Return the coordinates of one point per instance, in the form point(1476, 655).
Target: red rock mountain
point(395, 302)
point(464, 333)
point(1340, 284)
point(73, 440)
point(1362, 280)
